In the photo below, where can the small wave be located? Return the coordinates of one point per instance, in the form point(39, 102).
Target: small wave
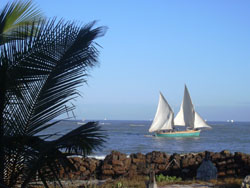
point(136, 125)
point(73, 156)
point(100, 157)
point(105, 123)
point(149, 135)
point(81, 123)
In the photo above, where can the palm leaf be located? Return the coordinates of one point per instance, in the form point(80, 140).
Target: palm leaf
point(16, 15)
point(40, 77)
point(82, 140)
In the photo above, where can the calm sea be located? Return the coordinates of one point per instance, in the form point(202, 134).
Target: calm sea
point(133, 137)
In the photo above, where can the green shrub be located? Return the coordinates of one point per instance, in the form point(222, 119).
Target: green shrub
point(161, 178)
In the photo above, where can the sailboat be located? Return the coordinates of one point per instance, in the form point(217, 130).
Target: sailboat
point(164, 122)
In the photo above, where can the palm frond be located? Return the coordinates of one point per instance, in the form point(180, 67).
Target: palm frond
point(15, 16)
point(39, 77)
point(52, 65)
point(82, 140)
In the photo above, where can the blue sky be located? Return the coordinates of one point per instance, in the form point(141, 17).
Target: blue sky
point(161, 45)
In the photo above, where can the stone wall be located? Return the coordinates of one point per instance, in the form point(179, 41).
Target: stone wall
point(118, 164)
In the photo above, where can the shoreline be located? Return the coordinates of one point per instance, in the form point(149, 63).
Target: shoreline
point(102, 157)
point(117, 164)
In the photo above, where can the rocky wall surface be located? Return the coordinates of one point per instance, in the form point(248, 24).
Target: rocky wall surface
point(185, 166)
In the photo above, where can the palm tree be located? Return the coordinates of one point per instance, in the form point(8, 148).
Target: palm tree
point(15, 16)
point(39, 76)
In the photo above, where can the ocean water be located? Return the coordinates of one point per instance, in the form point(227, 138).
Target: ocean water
point(133, 137)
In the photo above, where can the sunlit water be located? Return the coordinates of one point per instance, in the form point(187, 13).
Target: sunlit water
point(133, 137)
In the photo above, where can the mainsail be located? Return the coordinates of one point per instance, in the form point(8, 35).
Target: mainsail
point(187, 115)
point(164, 116)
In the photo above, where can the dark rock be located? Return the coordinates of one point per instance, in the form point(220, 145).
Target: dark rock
point(151, 165)
point(232, 166)
point(186, 166)
point(119, 170)
point(198, 159)
point(215, 157)
point(158, 157)
point(230, 161)
point(82, 168)
point(222, 163)
point(122, 157)
point(133, 166)
point(107, 167)
point(132, 173)
point(202, 154)
point(162, 167)
point(117, 162)
point(149, 157)
point(221, 168)
point(146, 171)
point(115, 155)
point(176, 157)
point(221, 174)
point(141, 168)
point(140, 156)
point(135, 160)
point(184, 163)
point(86, 173)
point(92, 167)
point(127, 163)
point(230, 172)
point(225, 152)
point(108, 172)
point(191, 161)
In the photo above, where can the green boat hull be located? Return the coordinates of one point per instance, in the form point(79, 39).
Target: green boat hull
point(179, 134)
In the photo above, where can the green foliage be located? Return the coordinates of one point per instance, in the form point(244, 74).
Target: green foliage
point(39, 76)
point(161, 178)
point(119, 184)
point(135, 182)
point(16, 17)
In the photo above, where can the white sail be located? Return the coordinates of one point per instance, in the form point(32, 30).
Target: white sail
point(168, 125)
point(185, 116)
point(163, 117)
point(179, 120)
point(199, 122)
